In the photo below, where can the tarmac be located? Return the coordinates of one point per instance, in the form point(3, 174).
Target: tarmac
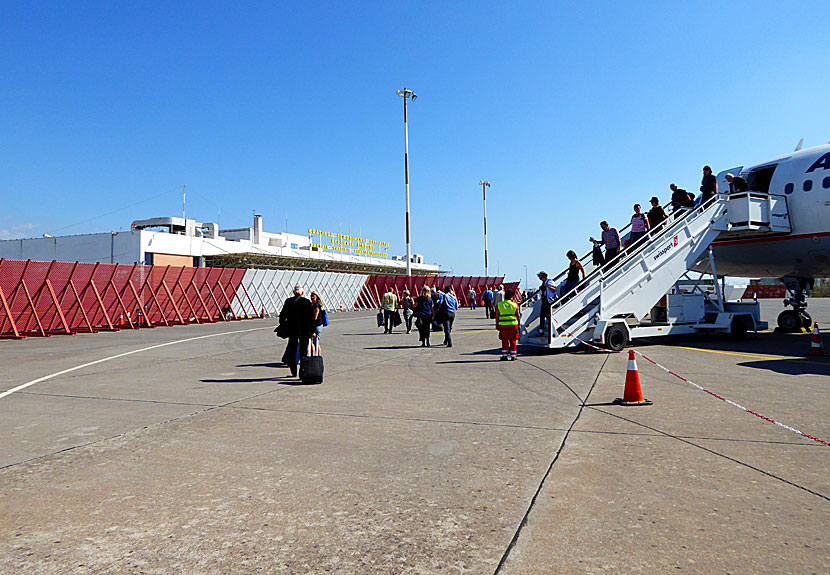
point(190, 450)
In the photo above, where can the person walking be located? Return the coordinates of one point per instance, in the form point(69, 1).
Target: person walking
point(737, 184)
point(471, 295)
point(639, 225)
point(498, 297)
point(679, 199)
point(656, 215)
point(610, 239)
point(424, 312)
point(296, 315)
point(389, 304)
point(708, 185)
point(317, 314)
point(574, 269)
point(487, 298)
point(547, 294)
point(507, 322)
point(408, 305)
point(448, 317)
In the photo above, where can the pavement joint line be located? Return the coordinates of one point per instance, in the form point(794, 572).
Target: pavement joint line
point(523, 522)
point(699, 438)
point(557, 378)
point(117, 356)
point(136, 430)
point(713, 452)
point(103, 439)
point(127, 399)
point(392, 418)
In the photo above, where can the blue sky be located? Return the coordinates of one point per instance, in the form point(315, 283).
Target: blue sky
point(573, 111)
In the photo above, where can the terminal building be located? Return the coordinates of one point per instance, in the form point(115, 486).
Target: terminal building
point(185, 242)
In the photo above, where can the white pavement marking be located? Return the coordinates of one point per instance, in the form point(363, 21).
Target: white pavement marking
point(77, 367)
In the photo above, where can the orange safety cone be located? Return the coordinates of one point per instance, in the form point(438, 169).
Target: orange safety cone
point(632, 395)
point(262, 315)
point(816, 348)
point(121, 319)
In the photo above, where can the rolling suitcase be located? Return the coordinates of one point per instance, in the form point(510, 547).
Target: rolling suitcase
point(311, 369)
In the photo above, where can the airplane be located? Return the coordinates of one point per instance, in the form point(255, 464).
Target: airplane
point(796, 258)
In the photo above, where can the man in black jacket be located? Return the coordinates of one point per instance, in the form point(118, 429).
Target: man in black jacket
point(296, 314)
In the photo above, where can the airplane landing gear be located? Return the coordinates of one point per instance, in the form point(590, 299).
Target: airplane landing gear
point(792, 320)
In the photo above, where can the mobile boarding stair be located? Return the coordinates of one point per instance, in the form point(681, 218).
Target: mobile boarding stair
point(628, 287)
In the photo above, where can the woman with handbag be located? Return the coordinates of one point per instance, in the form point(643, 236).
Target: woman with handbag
point(424, 308)
point(317, 317)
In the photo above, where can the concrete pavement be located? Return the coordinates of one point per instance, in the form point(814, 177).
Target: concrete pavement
point(201, 456)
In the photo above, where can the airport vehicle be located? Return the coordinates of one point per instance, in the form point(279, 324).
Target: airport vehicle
point(777, 228)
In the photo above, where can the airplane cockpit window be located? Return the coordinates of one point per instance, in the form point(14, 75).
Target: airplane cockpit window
point(788, 189)
point(758, 180)
point(808, 185)
point(825, 183)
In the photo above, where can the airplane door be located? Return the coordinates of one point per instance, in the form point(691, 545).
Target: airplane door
point(723, 185)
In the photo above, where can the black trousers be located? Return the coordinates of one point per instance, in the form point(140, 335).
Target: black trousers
point(611, 253)
point(449, 318)
point(424, 327)
point(544, 312)
point(388, 322)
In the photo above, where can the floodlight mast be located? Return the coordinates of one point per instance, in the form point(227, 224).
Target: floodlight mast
point(407, 94)
point(484, 185)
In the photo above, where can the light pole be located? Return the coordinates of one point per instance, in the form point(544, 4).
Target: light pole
point(484, 185)
point(406, 94)
point(525, 277)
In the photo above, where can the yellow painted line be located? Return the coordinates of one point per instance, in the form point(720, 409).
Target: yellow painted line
point(733, 353)
point(751, 356)
point(472, 331)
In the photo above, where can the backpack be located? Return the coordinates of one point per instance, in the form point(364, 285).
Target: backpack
point(325, 318)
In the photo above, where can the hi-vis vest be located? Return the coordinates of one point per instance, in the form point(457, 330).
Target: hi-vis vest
point(508, 313)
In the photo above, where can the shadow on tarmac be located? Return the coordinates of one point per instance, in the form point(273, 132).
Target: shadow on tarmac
point(790, 367)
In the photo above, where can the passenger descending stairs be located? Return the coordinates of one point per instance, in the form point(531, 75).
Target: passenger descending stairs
point(631, 284)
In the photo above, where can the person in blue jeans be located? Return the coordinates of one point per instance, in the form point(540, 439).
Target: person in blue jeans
point(487, 298)
point(448, 317)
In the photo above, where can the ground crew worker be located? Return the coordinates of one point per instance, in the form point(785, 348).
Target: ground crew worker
point(508, 316)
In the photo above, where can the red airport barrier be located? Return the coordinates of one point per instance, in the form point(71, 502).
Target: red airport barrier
point(48, 298)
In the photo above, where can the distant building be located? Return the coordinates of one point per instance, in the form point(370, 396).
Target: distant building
point(185, 242)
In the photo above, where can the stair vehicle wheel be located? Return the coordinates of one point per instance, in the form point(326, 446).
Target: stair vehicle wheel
point(789, 320)
point(806, 320)
point(737, 329)
point(615, 338)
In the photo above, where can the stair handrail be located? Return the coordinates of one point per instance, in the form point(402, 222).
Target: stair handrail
point(589, 256)
point(628, 253)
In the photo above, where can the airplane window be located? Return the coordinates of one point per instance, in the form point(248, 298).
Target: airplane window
point(788, 189)
point(808, 185)
point(826, 183)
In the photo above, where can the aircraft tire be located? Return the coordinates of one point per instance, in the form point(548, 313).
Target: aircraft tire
point(789, 321)
point(806, 320)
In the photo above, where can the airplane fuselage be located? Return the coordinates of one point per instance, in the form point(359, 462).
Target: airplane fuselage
point(803, 177)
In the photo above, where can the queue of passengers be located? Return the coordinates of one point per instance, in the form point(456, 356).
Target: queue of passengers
point(432, 309)
point(641, 224)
